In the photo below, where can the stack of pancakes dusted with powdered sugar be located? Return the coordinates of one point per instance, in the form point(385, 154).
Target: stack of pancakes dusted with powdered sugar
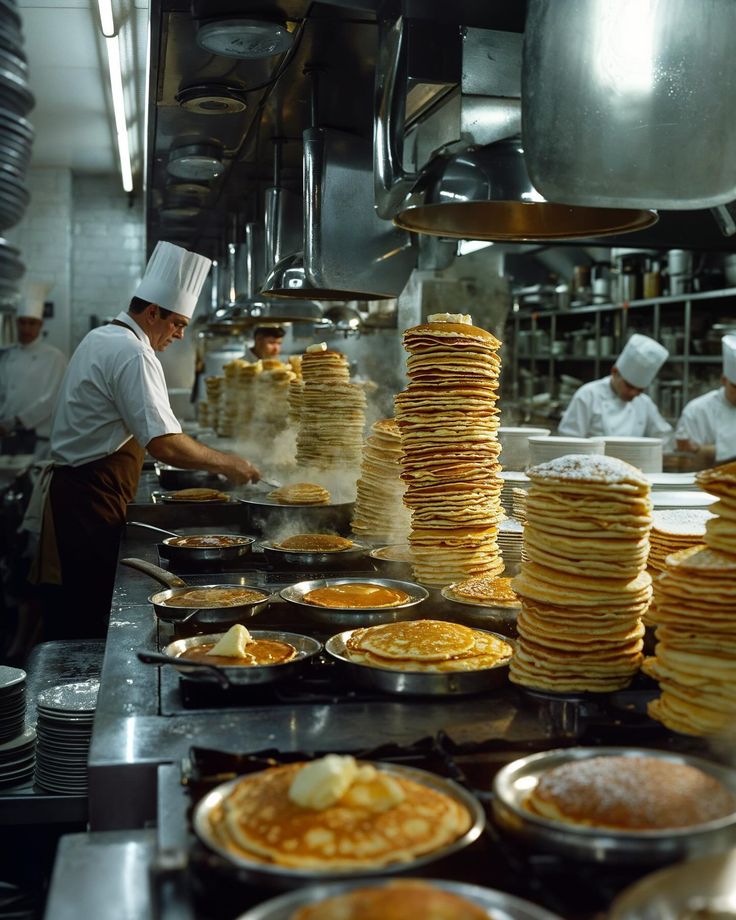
point(694, 610)
point(379, 508)
point(332, 413)
point(583, 584)
point(448, 421)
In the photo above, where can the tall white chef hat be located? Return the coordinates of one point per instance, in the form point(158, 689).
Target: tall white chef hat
point(728, 344)
point(640, 360)
point(173, 278)
point(34, 296)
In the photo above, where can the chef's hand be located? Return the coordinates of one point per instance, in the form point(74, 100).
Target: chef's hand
point(242, 471)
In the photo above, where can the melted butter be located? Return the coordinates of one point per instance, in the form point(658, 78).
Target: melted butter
point(357, 594)
point(260, 652)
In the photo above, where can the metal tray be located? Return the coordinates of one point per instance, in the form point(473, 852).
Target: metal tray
point(390, 568)
point(168, 499)
point(498, 904)
point(361, 616)
point(261, 500)
point(272, 875)
point(484, 615)
point(515, 781)
point(306, 649)
point(304, 559)
point(704, 887)
point(424, 683)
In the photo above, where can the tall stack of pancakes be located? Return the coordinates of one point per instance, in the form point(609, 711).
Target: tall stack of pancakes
point(448, 420)
point(332, 414)
point(673, 530)
point(694, 605)
point(236, 402)
point(270, 400)
point(379, 509)
point(583, 584)
point(296, 389)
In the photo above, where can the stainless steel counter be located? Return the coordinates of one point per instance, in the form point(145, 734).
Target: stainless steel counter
point(136, 729)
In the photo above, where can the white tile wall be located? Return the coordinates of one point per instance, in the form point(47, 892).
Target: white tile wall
point(80, 236)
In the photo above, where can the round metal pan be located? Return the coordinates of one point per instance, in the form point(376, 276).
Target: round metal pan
point(268, 516)
point(301, 559)
point(201, 616)
point(485, 616)
point(172, 478)
point(182, 555)
point(700, 888)
point(516, 780)
point(240, 675)
point(169, 498)
point(350, 617)
point(497, 904)
point(272, 875)
point(390, 568)
point(420, 683)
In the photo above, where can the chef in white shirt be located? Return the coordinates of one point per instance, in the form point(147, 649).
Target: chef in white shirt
point(707, 426)
point(616, 405)
point(30, 376)
point(113, 406)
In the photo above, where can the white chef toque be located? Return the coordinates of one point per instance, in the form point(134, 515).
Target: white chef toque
point(173, 278)
point(34, 296)
point(728, 344)
point(640, 360)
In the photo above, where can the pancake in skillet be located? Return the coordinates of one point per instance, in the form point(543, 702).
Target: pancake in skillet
point(315, 543)
point(367, 817)
point(356, 595)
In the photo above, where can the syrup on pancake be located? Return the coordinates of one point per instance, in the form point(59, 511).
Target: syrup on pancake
point(358, 595)
point(261, 652)
point(206, 541)
point(214, 597)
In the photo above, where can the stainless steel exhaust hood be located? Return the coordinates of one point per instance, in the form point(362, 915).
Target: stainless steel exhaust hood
point(475, 184)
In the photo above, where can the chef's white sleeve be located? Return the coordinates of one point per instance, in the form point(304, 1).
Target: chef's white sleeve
point(142, 399)
point(575, 421)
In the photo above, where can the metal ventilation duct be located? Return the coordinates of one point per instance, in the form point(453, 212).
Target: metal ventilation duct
point(465, 184)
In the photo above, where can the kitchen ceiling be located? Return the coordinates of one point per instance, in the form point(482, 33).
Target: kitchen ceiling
point(68, 76)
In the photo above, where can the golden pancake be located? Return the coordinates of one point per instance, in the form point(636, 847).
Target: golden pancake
point(315, 542)
point(356, 595)
point(207, 541)
point(214, 597)
point(394, 553)
point(492, 592)
point(422, 640)
point(300, 493)
point(199, 495)
point(630, 794)
point(394, 901)
point(260, 652)
point(382, 818)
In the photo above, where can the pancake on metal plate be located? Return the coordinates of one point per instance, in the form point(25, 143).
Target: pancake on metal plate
point(214, 597)
point(356, 595)
point(300, 493)
point(630, 794)
point(485, 590)
point(370, 818)
point(315, 543)
point(396, 900)
point(199, 495)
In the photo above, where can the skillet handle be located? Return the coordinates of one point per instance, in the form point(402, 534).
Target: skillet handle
point(190, 667)
point(168, 533)
point(155, 571)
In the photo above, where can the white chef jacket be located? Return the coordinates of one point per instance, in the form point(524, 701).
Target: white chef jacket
point(114, 389)
point(596, 410)
point(30, 376)
point(710, 419)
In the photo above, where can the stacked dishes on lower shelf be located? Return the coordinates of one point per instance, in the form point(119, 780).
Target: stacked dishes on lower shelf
point(543, 449)
point(643, 453)
point(65, 716)
point(17, 744)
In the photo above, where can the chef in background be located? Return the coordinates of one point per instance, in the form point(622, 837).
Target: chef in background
point(114, 405)
point(30, 377)
point(616, 405)
point(707, 426)
point(267, 342)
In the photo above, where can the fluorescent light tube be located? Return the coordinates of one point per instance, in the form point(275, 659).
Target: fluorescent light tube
point(107, 23)
point(118, 107)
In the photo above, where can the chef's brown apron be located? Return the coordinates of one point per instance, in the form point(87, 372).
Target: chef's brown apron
point(86, 509)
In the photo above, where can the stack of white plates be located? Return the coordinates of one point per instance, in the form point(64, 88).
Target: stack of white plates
point(672, 482)
point(65, 716)
point(543, 449)
point(510, 541)
point(515, 446)
point(512, 479)
point(671, 501)
point(12, 703)
point(17, 759)
point(643, 453)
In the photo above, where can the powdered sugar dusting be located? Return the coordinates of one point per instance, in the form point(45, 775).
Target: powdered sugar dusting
point(686, 522)
point(635, 793)
point(588, 468)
